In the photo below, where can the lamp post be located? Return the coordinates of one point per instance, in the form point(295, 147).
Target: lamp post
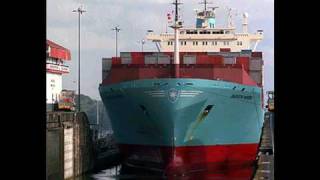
point(142, 43)
point(116, 29)
point(98, 126)
point(79, 11)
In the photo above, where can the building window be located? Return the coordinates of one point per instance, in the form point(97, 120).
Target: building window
point(204, 43)
point(195, 43)
point(239, 43)
point(214, 43)
point(168, 43)
point(226, 43)
point(185, 43)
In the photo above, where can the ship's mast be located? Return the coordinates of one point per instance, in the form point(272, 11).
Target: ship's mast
point(205, 2)
point(176, 26)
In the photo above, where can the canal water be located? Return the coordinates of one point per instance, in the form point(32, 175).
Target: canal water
point(115, 173)
point(106, 174)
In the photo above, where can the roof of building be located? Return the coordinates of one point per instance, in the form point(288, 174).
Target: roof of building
point(54, 50)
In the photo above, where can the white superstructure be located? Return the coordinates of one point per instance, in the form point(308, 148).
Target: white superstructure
point(206, 37)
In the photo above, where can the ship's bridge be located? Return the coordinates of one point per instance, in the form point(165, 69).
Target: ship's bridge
point(207, 40)
point(206, 37)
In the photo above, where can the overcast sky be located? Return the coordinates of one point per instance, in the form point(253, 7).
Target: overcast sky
point(135, 17)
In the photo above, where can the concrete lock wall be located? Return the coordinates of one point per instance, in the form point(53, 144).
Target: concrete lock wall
point(68, 153)
point(69, 146)
point(83, 145)
point(54, 153)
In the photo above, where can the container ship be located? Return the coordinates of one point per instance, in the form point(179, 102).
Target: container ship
point(195, 105)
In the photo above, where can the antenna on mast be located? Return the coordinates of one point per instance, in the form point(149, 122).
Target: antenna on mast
point(205, 2)
point(176, 3)
point(230, 17)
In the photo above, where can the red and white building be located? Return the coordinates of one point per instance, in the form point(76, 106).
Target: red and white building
point(56, 59)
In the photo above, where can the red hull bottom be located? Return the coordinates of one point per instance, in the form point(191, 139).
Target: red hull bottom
point(205, 162)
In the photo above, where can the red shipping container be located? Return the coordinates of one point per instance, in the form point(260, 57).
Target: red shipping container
point(216, 60)
point(121, 74)
point(116, 60)
point(225, 50)
point(257, 54)
point(205, 59)
point(243, 61)
point(137, 60)
point(137, 54)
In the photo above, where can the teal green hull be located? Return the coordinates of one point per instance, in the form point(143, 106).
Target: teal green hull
point(172, 112)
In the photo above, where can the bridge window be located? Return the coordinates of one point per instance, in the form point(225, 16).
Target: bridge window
point(205, 32)
point(217, 32)
point(192, 32)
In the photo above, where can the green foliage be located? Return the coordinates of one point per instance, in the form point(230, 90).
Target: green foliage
point(89, 106)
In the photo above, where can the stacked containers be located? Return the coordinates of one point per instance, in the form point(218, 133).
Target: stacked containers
point(245, 53)
point(244, 61)
point(116, 60)
point(257, 55)
point(150, 59)
point(137, 58)
point(229, 60)
point(256, 67)
point(163, 58)
point(189, 59)
point(205, 59)
point(255, 64)
point(125, 57)
point(106, 66)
